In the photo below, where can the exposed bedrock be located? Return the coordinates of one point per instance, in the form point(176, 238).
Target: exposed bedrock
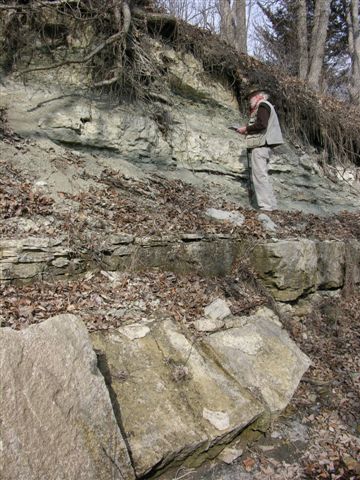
point(288, 268)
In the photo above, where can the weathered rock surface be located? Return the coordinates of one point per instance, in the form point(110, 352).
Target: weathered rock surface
point(174, 401)
point(217, 310)
point(331, 264)
point(260, 355)
point(292, 268)
point(233, 217)
point(208, 324)
point(267, 223)
point(56, 416)
point(30, 258)
point(193, 143)
point(288, 268)
point(178, 399)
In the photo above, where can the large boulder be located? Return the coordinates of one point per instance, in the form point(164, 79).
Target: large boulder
point(175, 402)
point(260, 355)
point(182, 400)
point(293, 268)
point(56, 416)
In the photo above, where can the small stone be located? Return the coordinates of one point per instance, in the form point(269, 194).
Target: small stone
point(113, 276)
point(40, 184)
point(233, 217)
point(275, 434)
point(134, 331)
point(267, 223)
point(229, 455)
point(312, 397)
point(266, 448)
point(208, 325)
point(217, 310)
point(60, 262)
point(189, 237)
point(220, 420)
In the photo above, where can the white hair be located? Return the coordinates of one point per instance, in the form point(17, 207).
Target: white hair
point(265, 95)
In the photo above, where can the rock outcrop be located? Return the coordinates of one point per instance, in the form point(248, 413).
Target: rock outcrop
point(259, 354)
point(185, 135)
point(294, 268)
point(157, 395)
point(289, 269)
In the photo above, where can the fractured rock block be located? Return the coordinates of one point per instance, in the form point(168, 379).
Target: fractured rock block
point(331, 264)
point(288, 268)
point(261, 357)
point(56, 416)
point(217, 310)
point(175, 402)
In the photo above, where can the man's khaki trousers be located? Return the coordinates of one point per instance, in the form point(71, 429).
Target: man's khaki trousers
point(259, 171)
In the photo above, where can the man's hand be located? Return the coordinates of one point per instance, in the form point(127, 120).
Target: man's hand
point(242, 130)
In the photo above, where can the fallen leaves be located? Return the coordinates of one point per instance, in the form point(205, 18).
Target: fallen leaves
point(105, 300)
point(18, 196)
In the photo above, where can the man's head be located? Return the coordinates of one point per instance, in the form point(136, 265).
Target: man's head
point(255, 95)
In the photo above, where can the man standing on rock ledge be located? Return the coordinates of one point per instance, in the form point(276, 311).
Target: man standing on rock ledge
point(262, 132)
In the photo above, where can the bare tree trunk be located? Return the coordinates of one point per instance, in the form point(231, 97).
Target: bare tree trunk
point(354, 48)
point(318, 39)
point(240, 27)
point(302, 39)
point(233, 23)
point(226, 27)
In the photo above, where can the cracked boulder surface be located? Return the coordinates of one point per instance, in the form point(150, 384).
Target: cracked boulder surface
point(179, 402)
point(175, 403)
point(56, 416)
point(261, 356)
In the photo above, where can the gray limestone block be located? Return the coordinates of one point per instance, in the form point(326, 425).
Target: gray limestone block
point(175, 402)
point(267, 223)
point(331, 264)
point(56, 416)
point(288, 268)
point(217, 310)
point(233, 217)
point(261, 357)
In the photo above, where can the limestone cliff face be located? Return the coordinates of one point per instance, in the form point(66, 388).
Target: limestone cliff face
point(183, 133)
